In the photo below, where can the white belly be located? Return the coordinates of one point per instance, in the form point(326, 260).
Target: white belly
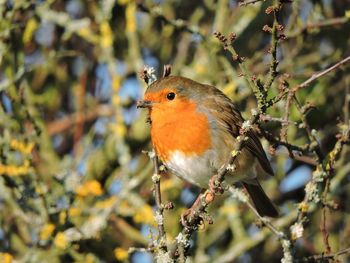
point(194, 169)
point(199, 170)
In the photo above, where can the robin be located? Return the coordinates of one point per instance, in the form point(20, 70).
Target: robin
point(193, 131)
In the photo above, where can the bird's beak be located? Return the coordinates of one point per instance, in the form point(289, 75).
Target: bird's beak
point(144, 104)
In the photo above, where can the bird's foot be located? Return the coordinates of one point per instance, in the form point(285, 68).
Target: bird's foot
point(215, 186)
point(185, 217)
point(191, 212)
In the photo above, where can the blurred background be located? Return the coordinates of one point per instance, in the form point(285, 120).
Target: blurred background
point(74, 183)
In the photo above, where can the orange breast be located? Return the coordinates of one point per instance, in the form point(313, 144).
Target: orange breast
point(179, 128)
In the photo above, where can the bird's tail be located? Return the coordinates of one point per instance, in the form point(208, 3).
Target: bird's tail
point(261, 201)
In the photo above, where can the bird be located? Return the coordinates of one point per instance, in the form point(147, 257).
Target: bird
point(194, 129)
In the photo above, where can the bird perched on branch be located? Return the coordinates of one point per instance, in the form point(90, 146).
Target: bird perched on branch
point(194, 128)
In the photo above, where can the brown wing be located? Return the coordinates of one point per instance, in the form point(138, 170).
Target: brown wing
point(223, 110)
point(254, 146)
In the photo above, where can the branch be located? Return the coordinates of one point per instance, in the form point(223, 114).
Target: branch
point(248, 2)
point(265, 118)
point(284, 130)
point(241, 196)
point(80, 114)
point(69, 121)
point(162, 244)
point(320, 74)
point(180, 24)
point(248, 243)
point(323, 172)
point(323, 224)
point(307, 82)
point(332, 22)
point(285, 242)
point(273, 50)
point(259, 92)
point(277, 142)
point(322, 257)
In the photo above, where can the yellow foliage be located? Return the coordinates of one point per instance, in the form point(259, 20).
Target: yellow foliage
point(12, 170)
point(61, 241)
point(31, 26)
point(46, 231)
point(303, 206)
point(116, 100)
point(88, 35)
point(130, 15)
point(74, 211)
point(168, 31)
point(91, 187)
point(121, 254)
point(123, 2)
point(124, 205)
point(108, 203)
point(90, 259)
point(347, 13)
point(6, 258)
point(167, 184)
point(106, 39)
point(229, 88)
point(62, 217)
point(234, 153)
point(21, 146)
point(116, 82)
point(84, 32)
point(229, 210)
point(40, 189)
point(144, 215)
point(120, 130)
point(200, 69)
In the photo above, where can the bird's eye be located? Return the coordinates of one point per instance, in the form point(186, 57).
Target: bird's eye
point(170, 96)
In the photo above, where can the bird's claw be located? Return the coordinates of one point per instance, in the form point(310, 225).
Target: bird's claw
point(184, 216)
point(215, 186)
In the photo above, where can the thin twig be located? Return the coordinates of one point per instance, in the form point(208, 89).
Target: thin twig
point(265, 118)
point(248, 2)
point(322, 257)
point(305, 159)
point(247, 243)
point(277, 142)
point(80, 116)
point(258, 92)
point(323, 224)
point(285, 242)
point(65, 123)
point(273, 50)
point(323, 172)
point(314, 141)
point(284, 130)
point(307, 82)
point(178, 23)
point(332, 22)
point(158, 198)
point(264, 220)
point(320, 74)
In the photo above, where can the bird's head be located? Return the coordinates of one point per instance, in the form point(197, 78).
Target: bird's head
point(170, 95)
